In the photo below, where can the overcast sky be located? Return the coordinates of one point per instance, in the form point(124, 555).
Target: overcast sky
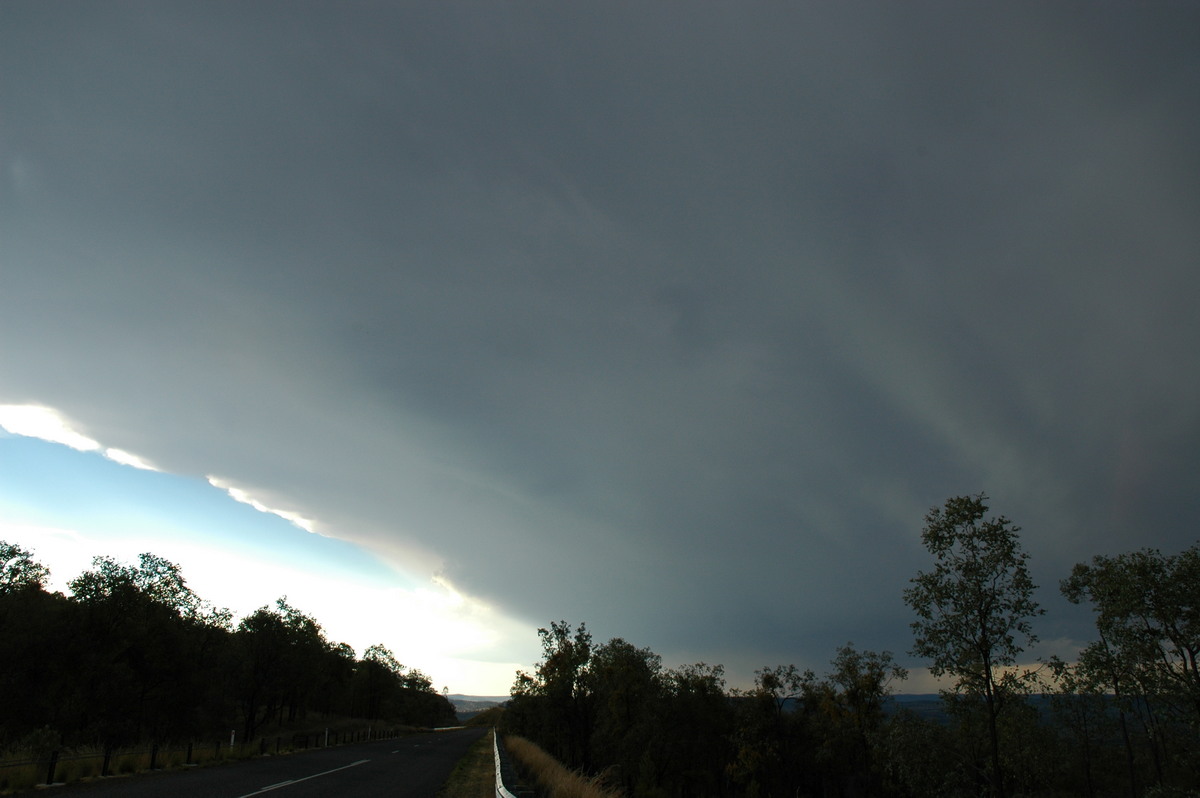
point(669, 318)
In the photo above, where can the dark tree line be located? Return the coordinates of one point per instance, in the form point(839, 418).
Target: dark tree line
point(1123, 719)
point(133, 654)
point(613, 709)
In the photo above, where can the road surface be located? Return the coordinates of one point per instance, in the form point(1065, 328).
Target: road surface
point(407, 767)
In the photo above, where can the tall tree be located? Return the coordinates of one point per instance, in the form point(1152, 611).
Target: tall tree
point(379, 677)
point(698, 729)
point(35, 657)
point(774, 753)
point(138, 629)
point(556, 698)
point(627, 689)
point(861, 682)
point(1147, 611)
point(974, 608)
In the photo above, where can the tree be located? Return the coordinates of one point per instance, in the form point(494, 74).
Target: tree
point(1147, 611)
point(282, 652)
point(861, 682)
point(554, 703)
point(1148, 621)
point(140, 632)
point(782, 685)
point(386, 690)
point(626, 687)
point(774, 752)
point(697, 729)
point(18, 571)
point(974, 608)
point(379, 676)
point(36, 656)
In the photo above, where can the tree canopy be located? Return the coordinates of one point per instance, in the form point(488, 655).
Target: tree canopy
point(974, 608)
point(133, 654)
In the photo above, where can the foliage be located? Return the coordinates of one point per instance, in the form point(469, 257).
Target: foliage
point(612, 709)
point(133, 654)
point(555, 699)
point(974, 609)
point(1148, 623)
point(1147, 608)
point(19, 571)
point(1121, 721)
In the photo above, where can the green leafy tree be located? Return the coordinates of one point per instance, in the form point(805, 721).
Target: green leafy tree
point(280, 651)
point(37, 659)
point(377, 680)
point(853, 713)
point(921, 757)
point(626, 689)
point(1082, 708)
point(336, 677)
point(141, 637)
point(386, 690)
point(19, 571)
point(1148, 615)
point(553, 704)
point(774, 752)
point(697, 729)
point(1148, 621)
point(974, 609)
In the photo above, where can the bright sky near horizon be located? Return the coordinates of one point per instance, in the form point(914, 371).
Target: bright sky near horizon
point(70, 500)
point(448, 320)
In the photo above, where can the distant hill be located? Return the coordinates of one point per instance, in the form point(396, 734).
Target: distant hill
point(923, 705)
point(930, 707)
point(469, 705)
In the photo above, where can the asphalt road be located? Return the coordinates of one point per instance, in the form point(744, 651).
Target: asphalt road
point(407, 767)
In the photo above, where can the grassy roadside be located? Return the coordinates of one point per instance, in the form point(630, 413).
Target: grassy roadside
point(552, 777)
point(475, 774)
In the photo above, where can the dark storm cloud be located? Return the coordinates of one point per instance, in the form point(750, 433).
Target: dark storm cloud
point(688, 317)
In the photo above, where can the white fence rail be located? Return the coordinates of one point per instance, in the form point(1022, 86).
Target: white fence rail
point(503, 772)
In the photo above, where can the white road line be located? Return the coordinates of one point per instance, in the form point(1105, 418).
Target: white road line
point(306, 778)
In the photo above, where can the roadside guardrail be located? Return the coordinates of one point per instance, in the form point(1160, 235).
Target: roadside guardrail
point(506, 777)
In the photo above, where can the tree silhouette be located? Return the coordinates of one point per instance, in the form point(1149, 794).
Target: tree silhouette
point(974, 608)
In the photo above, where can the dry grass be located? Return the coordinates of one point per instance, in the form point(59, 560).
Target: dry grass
point(20, 777)
point(475, 774)
point(24, 770)
point(551, 776)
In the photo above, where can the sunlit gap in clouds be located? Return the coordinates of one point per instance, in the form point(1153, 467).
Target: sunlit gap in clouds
point(46, 423)
point(239, 495)
point(36, 421)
